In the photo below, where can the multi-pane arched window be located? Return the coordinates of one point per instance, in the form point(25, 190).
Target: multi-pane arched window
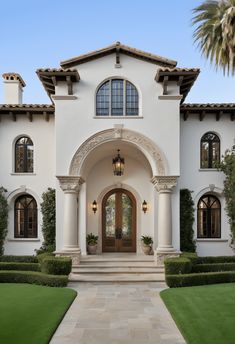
point(117, 97)
point(208, 217)
point(25, 217)
point(210, 150)
point(24, 155)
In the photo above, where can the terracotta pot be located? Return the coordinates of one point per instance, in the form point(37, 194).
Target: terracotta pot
point(91, 249)
point(146, 249)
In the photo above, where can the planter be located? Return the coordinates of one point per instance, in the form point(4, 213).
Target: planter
point(146, 249)
point(91, 249)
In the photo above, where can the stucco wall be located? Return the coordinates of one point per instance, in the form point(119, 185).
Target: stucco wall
point(42, 135)
point(202, 181)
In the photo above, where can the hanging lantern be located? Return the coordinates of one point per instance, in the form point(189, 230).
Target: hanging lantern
point(118, 165)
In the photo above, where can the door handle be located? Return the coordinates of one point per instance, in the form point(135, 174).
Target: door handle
point(118, 233)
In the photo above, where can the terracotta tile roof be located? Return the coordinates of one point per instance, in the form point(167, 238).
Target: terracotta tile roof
point(27, 106)
point(185, 77)
point(208, 106)
point(13, 76)
point(50, 76)
point(116, 48)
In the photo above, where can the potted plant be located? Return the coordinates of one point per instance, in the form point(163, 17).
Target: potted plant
point(147, 242)
point(92, 241)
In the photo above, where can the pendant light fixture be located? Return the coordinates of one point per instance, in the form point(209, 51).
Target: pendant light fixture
point(118, 164)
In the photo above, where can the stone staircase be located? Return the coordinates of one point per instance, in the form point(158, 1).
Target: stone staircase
point(114, 268)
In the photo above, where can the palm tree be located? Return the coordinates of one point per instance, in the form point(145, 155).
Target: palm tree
point(215, 33)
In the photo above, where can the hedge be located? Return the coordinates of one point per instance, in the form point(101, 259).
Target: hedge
point(44, 255)
point(187, 280)
point(211, 260)
point(214, 267)
point(33, 277)
point(56, 265)
point(177, 266)
point(19, 259)
point(19, 266)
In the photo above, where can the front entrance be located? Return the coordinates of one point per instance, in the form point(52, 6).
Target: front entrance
point(119, 221)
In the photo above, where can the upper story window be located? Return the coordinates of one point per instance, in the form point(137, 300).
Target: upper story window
point(24, 155)
point(208, 217)
point(25, 217)
point(117, 97)
point(210, 150)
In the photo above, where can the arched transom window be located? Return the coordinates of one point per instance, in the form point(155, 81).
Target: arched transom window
point(24, 155)
point(208, 217)
point(117, 97)
point(25, 217)
point(210, 150)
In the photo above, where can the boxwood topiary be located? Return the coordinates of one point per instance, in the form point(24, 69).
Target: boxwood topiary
point(19, 259)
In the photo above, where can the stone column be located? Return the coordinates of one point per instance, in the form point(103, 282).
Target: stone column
point(71, 186)
point(164, 185)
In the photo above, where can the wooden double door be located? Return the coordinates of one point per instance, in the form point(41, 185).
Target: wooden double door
point(119, 221)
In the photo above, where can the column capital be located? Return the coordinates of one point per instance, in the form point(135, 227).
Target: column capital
point(70, 184)
point(164, 183)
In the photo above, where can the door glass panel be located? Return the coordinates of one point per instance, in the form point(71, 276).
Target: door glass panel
point(110, 216)
point(126, 216)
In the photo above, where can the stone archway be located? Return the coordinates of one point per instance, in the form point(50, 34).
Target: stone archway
point(151, 151)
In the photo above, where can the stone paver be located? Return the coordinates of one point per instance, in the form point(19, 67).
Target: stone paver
point(117, 313)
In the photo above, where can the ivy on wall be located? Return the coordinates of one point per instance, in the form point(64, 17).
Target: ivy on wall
point(187, 242)
point(227, 165)
point(3, 219)
point(48, 209)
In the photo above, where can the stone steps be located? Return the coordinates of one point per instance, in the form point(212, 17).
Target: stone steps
point(117, 277)
point(105, 268)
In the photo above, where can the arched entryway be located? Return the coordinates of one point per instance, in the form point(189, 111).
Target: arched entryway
point(119, 221)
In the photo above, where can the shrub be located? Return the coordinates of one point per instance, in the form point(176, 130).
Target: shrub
point(48, 209)
point(19, 259)
point(56, 266)
point(177, 266)
point(175, 281)
point(187, 243)
point(3, 218)
point(33, 278)
point(214, 267)
point(19, 266)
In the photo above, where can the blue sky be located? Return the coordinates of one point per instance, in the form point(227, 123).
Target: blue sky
point(39, 34)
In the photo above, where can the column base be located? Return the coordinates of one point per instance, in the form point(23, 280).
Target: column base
point(160, 255)
point(74, 254)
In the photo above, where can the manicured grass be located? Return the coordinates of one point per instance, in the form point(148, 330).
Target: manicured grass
point(31, 313)
point(204, 314)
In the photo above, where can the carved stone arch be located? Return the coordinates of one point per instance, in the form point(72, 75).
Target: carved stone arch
point(151, 151)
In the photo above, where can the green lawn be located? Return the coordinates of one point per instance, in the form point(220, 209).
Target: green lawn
point(30, 314)
point(204, 314)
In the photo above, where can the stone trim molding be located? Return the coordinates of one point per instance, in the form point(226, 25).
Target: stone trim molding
point(148, 147)
point(70, 184)
point(164, 183)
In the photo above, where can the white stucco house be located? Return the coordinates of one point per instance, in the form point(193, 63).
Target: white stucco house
point(115, 98)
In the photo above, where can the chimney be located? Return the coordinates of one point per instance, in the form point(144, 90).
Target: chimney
point(13, 88)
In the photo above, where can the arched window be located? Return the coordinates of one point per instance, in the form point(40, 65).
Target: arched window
point(25, 217)
point(24, 155)
point(117, 97)
point(208, 217)
point(210, 150)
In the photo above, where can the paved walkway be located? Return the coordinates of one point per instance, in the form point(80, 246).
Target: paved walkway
point(117, 313)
